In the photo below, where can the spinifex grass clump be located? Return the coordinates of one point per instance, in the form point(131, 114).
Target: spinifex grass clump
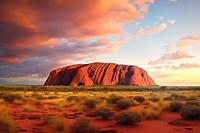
point(29, 108)
point(7, 123)
point(139, 99)
point(10, 97)
point(104, 112)
point(193, 102)
point(154, 99)
point(128, 118)
point(73, 98)
point(90, 103)
point(82, 125)
point(124, 103)
point(151, 111)
point(37, 96)
point(113, 98)
point(58, 122)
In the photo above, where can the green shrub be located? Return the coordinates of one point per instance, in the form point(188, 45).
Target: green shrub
point(82, 125)
point(104, 112)
point(193, 102)
point(139, 99)
point(128, 118)
point(124, 103)
point(175, 106)
point(190, 112)
point(90, 103)
point(10, 97)
point(113, 98)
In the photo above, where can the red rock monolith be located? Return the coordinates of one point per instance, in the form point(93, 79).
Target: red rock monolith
point(99, 74)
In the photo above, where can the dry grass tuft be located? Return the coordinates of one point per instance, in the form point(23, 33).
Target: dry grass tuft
point(6, 121)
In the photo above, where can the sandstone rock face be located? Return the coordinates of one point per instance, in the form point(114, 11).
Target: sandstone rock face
point(99, 74)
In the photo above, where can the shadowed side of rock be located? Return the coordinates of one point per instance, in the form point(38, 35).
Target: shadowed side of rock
point(99, 74)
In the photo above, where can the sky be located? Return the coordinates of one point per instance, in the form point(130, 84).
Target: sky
point(160, 36)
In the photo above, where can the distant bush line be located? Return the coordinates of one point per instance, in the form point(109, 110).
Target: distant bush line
point(97, 88)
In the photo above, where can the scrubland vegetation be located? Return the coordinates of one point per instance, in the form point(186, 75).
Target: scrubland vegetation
point(126, 105)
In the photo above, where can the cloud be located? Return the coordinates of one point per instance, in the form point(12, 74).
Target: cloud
point(171, 21)
point(151, 30)
point(168, 48)
point(173, 1)
point(38, 36)
point(177, 55)
point(188, 40)
point(50, 19)
point(66, 52)
point(186, 66)
point(160, 75)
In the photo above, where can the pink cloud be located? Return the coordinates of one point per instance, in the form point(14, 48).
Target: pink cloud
point(142, 2)
point(37, 36)
point(188, 40)
point(186, 66)
point(173, 1)
point(168, 48)
point(171, 21)
point(151, 30)
point(160, 75)
point(177, 55)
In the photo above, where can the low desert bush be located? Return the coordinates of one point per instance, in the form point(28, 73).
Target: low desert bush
point(52, 97)
point(90, 103)
point(113, 98)
point(104, 112)
point(175, 106)
point(37, 96)
point(73, 98)
point(139, 99)
point(154, 99)
point(10, 97)
point(124, 103)
point(58, 122)
point(190, 112)
point(128, 118)
point(193, 102)
point(6, 121)
point(82, 125)
point(175, 97)
point(18, 102)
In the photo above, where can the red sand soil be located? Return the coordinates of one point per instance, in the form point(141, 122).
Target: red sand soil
point(33, 122)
